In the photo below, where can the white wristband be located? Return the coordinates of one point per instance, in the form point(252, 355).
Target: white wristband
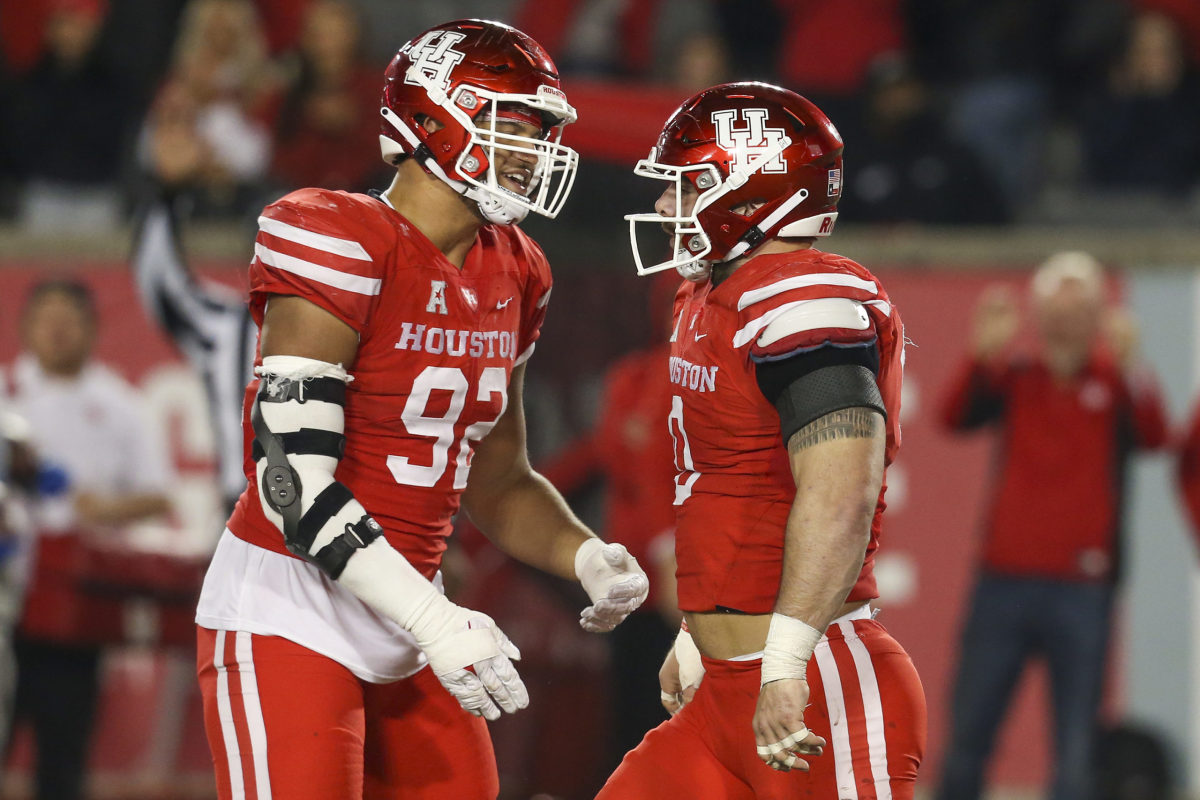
point(790, 643)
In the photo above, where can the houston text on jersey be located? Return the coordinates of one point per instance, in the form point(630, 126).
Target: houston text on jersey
point(693, 376)
point(431, 339)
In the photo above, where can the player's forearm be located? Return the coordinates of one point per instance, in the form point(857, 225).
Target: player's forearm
point(824, 552)
point(96, 509)
point(529, 520)
point(837, 462)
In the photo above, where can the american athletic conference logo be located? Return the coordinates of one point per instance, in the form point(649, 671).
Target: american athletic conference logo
point(748, 143)
point(434, 55)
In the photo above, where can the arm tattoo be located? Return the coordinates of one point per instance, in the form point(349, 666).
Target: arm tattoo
point(849, 423)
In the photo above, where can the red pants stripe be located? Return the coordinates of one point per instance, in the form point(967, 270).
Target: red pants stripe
point(866, 701)
point(285, 722)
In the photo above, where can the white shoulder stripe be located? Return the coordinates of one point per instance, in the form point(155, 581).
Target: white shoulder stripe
point(521, 359)
point(347, 248)
point(306, 269)
point(883, 305)
point(823, 312)
point(545, 299)
point(804, 281)
point(752, 328)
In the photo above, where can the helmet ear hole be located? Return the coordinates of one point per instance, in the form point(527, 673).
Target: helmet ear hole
point(427, 122)
point(747, 209)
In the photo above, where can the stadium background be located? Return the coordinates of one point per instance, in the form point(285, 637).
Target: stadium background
point(150, 742)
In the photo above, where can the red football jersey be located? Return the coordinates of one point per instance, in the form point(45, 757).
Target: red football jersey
point(735, 487)
point(437, 347)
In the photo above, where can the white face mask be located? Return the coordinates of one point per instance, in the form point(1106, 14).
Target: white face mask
point(553, 173)
point(690, 243)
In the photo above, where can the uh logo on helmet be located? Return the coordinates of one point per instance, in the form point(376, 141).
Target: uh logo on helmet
point(433, 55)
point(469, 78)
point(760, 162)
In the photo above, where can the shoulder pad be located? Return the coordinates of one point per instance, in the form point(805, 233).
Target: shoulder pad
point(818, 314)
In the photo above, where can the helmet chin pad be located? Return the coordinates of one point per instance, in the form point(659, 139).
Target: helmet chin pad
point(495, 208)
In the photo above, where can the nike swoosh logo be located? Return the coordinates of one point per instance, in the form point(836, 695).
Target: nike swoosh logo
point(504, 304)
point(700, 336)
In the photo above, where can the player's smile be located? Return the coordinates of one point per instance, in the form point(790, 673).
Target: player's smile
point(515, 171)
point(517, 178)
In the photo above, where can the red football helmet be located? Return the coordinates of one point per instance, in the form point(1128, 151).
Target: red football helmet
point(468, 75)
point(764, 162)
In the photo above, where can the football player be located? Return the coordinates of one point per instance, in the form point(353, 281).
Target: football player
point(786, 363)
point(394, 331)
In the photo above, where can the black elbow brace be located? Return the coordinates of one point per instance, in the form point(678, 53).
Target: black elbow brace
point(282, 488)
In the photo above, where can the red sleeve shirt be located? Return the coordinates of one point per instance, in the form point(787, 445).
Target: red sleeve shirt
point(734, 487)
point(437, 348)
point(1059, 490)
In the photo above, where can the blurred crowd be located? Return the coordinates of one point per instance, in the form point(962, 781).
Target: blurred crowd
point(953, 112)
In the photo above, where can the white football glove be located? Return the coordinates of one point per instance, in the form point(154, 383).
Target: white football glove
point(462, 638)
point(614, 581)
point(453, 638)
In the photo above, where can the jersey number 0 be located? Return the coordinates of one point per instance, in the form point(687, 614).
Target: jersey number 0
point(683, 453)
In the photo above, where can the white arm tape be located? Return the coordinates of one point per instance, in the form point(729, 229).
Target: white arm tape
point(790, 643)
point(298, 368)
point(691, 668)
point(383, 578)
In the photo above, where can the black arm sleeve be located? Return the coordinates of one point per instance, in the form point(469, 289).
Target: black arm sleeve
point(809, 385)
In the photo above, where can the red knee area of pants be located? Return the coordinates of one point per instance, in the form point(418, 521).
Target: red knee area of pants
point(309, 713)
point(327, 735)
point(873, 722)
point(422, 745)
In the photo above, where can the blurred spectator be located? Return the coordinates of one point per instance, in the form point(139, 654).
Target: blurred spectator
point(907, 167)
point(654, 40)
point(1069, 416)
point(215, 105)
point(209, 322)
point(282, 21)
point(631, 449)
point(18, 475)
point(827, 48)
point(752, 31)
point(65, 121)
point(328, 128)
point(85, 420)
point(1188, 471)
point(1140, 129)
point(1007, 64)
point(390, 24)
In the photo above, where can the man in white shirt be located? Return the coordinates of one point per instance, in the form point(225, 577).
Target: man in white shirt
point(86, 422)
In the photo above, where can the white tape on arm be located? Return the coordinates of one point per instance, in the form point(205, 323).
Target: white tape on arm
point(691, 668)
point(790, 644)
